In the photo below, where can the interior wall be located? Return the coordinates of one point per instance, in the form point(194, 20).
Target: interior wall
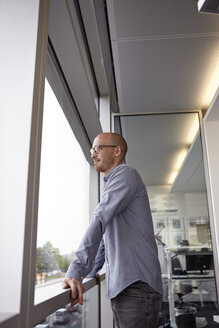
point(185, 203)
point(211, 135)
point(175, 215)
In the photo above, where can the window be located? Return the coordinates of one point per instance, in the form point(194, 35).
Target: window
point(77, 316)
point(63, 196)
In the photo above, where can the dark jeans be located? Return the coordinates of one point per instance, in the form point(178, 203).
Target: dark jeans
point(137, 306)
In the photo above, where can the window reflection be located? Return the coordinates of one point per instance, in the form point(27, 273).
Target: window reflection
point(63, 317)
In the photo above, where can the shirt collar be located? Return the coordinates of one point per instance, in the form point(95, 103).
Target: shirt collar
point(106, 178)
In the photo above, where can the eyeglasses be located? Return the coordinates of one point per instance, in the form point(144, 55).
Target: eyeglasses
point(97, 148)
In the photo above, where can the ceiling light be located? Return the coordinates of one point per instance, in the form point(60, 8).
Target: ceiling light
point(208, 6)
point(179, 161)
point(180, 158)
point(212, 87)
point(193, 130)
point(172, 177)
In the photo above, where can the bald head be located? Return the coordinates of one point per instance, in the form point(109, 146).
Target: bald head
point(108, 151)
point(117, 140)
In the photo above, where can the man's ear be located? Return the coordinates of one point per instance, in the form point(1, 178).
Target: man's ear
point(118, 151)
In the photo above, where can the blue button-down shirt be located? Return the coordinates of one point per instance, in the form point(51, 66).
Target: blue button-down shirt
point(123, 219)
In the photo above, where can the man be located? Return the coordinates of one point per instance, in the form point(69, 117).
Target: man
point(120, 232)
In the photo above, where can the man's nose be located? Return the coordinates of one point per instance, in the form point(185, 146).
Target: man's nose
point(93, 154)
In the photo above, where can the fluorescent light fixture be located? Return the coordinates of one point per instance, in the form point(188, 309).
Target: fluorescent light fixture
point(208, 6)
point(180, 158)
point(183, 152)
point(212, 87)
point(172, 177)
point(193, 130)
point(200, 4)
point(179, 161)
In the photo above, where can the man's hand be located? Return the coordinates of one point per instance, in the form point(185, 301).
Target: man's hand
point(97, 279)
point(76, 290)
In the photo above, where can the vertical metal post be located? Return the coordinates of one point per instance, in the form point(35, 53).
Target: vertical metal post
point(170, 294)
point(31, 215)
point(99, 305)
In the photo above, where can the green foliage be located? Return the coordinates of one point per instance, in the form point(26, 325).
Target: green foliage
point(49, 259)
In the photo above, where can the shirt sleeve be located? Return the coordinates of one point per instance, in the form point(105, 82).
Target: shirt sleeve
point(119, 192)
point(99, 260)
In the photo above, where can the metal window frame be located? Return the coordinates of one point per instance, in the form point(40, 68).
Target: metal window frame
point(30, 313)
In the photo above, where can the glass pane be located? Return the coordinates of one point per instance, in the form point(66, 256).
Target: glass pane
point(63, 212)
point(91, 308)
point(77, 317)
point(167, 151)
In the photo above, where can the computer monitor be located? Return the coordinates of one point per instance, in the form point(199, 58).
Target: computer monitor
point(199, 262)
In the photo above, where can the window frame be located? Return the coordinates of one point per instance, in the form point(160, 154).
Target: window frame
point(29, 313)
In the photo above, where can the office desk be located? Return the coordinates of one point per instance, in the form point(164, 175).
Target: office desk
point(203, 284)
point(198, 271)
point(192, 275)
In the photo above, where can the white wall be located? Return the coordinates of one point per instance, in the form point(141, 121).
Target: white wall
point(212, 135)
point(188, 209)
point(186, 204)
point(211, 161)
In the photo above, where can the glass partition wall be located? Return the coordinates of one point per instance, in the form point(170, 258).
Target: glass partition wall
point(166, 150)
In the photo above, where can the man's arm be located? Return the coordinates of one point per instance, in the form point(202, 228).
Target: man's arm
point(76, 286)
point(99, 261)
point(118, 194)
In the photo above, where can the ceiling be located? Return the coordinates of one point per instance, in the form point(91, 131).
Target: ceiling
point(164, 55)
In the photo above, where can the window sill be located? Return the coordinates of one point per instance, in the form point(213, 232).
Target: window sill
point(50, 296)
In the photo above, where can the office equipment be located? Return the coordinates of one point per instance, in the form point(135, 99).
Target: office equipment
point(193, 275)
point(204, 276)
point(176, 266)
point(199, 261)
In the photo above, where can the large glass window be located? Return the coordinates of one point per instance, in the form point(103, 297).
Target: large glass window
point(63, 196)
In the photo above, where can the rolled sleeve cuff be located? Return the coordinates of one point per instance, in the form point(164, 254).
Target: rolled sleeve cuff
point(74, 273)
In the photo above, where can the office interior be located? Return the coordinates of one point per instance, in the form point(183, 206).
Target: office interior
point(146, 69)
